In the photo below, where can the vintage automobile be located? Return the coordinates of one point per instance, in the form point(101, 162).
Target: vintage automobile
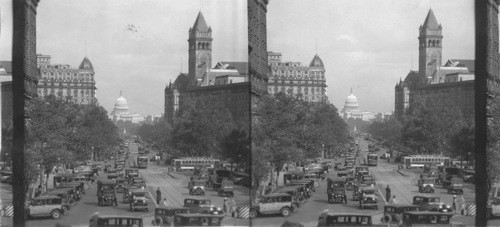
point(327, 219)
point(139, 203)
point(227, 188)
point(360, 168)
point(305, 183)
point(350, 181)
point(493, 208)
point(106, 193)
point(98, 220)
point(137, 182)
point(367, 179)
point(83, 180)
point(426, 218)
point(456, 186)
point(129, 170)
point(46, 206)
point(393, 213)
point(315, 176)
point(431, 203)
point(274, 203)
point(74, 189)
point(197, 220)
point(66, 194)
point(201, 206)
point(292, 176)
point(468, 176)
point(164, 216)
point(197, 187)
point(356, 193)
point(120, 185)
point(6, 177)
point(426, 185)
point(359, 175)
point(130, 193)
point(130, 176)
point(369, 198)
point(297, 192)
point(342, 171)
point(336, 191)
point(112, 176)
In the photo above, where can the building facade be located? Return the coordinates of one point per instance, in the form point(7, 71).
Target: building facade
point(257, 48)
point(448, 85)
point(61, 80)
point(227, 80)
point(293, 78)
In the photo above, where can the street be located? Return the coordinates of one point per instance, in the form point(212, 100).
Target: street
point(403, 186)
point(172, 186)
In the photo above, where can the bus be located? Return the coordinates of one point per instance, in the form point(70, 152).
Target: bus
point(142, 162)
point(372, 159)
point(191, 163)
point(421, 160)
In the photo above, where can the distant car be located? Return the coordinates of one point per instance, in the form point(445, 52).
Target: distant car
point(369, 198)
point(431, 203)
point(201, 206)
point(426, 185)
point(456, 186)
point(139, 203)
point(164, 216)
point(6, 177)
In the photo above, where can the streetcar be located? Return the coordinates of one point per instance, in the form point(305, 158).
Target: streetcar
point(421, 160)
point(372, 159)
point(142, 162)
point(191, 163)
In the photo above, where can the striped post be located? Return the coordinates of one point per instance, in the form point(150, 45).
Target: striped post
point(243, 212)
point(8, 210)
point(471, 209)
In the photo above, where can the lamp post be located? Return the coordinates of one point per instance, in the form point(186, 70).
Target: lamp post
point(323, 151)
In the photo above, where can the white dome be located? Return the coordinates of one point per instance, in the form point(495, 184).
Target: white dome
point(351, 103)
point(121, 105)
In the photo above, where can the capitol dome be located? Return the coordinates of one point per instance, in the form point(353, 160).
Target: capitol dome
point(351, 103)
point(121, 105)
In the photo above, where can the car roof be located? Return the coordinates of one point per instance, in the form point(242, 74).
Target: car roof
point(426, 196)
point(138, 190)
point(47, 197)
point(114, 216)
point(428, 212)
point(200, 215)
point(172, 208)
point(344, 214)
point(400, 205)
point(276, 194)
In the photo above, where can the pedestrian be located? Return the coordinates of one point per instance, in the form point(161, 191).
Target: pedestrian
point(233, 209)
point(454, 205)
point(158, 196)
point(387, 193)
point(462, 204)
point(224, 208)
point(165, 202)
point(286, 167)
point(394, 200)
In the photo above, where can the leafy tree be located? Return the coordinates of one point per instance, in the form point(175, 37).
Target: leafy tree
point(236, 147)
point(200, 125)
point(389, 129)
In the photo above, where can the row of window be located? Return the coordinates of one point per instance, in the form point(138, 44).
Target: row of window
point(46, 91)
point(67, 76)
point(283, 81)
point(297, 72)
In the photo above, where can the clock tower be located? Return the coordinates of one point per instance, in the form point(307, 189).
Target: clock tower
point(200, 48)
point(430, 43)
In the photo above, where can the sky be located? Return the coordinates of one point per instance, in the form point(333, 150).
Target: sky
point(6, 30)
point(366, 45)
point(140, 63)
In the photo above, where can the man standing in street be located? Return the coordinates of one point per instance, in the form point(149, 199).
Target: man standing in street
point(394, 200)
point(454, 205)
point(387, 193)
point(158, 196)
point(461, 201)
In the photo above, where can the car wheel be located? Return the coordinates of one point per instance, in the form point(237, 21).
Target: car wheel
point(26, 216)
point(294, 207)
point(285, 212)
point(253, 213)
point(55, 214)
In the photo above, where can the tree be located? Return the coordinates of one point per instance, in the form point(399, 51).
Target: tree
point(389, 129)
point(200, 125)
point(236, 147)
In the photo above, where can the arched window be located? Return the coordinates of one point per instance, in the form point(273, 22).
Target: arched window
point(429, 43)
point(438, 44)
point(208, 45)
point(199, 45)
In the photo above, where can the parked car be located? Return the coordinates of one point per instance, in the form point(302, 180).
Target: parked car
point(426, 218)
point(393, 213)
point(98, 220)
point(493, 208)
point(46, 206)
point(197, 220)
point(6, 177)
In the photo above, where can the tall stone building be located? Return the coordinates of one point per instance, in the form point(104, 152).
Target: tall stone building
point(450, 85)
point(61, 80)
point(227, 80)
point(293, 78)
point(257, 47)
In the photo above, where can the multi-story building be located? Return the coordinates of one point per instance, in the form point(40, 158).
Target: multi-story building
point(228, 80)
point(450, 85)
point(293, 78)
point(61, 80)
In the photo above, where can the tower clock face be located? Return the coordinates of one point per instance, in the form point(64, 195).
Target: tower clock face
point(203, 60)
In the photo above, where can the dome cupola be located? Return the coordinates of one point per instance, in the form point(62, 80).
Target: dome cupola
point(86, 64)
point(316, 62)
point(121, 105)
